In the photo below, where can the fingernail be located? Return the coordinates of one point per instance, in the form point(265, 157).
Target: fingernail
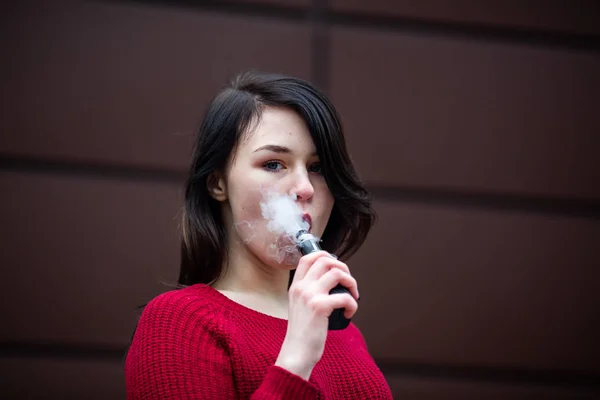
point(333, 255)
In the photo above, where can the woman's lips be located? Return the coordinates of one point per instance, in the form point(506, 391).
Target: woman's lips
point(306, 217)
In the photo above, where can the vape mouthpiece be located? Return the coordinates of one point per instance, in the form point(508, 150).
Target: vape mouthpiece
point(300, 233)
point(306, 242)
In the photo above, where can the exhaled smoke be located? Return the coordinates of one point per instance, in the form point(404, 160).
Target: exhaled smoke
point(284, 220)
point(283, 214)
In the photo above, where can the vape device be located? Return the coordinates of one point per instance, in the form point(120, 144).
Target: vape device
point(308, 243)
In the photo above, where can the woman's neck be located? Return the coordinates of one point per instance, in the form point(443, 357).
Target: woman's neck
point(246, 274)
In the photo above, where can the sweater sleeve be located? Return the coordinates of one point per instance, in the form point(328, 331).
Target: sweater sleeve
point(176, 354)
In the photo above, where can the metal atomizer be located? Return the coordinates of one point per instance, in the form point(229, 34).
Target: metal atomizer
point(307, 244)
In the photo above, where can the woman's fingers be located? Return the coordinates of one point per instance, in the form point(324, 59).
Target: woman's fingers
point(322, 264)
point(325, 305)
point(319, 272)
point(334, 276)
point(307, 261)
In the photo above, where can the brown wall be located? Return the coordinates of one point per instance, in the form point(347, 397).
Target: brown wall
point(475, 125)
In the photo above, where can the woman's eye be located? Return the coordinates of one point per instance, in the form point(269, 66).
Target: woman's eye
point(273, 165)
point(316, 168)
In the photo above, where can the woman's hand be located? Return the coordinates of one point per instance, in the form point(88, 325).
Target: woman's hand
point(310, 305)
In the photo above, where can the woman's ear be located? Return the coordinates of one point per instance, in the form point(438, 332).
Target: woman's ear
point(216, 186)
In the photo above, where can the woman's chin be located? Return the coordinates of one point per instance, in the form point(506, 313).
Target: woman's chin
point(284, 252)
point(291, 260)
point(282, 258)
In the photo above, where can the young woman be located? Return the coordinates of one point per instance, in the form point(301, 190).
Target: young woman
point(241, 326)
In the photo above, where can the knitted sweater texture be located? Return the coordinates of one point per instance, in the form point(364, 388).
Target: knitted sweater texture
point(196, 343)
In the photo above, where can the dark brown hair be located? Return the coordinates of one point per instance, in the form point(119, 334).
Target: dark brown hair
point(204, 242)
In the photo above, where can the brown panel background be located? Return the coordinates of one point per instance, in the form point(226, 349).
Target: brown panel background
point(578, 16)
point(480, 287)
point(125, 84)
point(89, 251)
point(475, 127)
point(282, 3)
point(434, 389)
point(61, 379)
point(469, 115)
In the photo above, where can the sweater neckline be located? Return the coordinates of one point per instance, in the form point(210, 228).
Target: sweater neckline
point(240, 308)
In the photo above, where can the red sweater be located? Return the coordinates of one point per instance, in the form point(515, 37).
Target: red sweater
point(196, 343)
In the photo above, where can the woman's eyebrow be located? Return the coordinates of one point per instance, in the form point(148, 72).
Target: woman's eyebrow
point(277, 149)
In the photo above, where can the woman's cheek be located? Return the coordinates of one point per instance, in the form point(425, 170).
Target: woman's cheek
point(249, 212)
point(248, 220)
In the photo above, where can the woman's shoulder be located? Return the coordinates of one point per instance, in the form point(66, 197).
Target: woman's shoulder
point(185, 296)
point(181, 324)
point(196, 302)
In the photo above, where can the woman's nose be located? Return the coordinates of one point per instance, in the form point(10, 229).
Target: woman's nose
point(303, 188)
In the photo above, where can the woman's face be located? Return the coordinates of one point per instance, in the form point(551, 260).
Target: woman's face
point(277, 157)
